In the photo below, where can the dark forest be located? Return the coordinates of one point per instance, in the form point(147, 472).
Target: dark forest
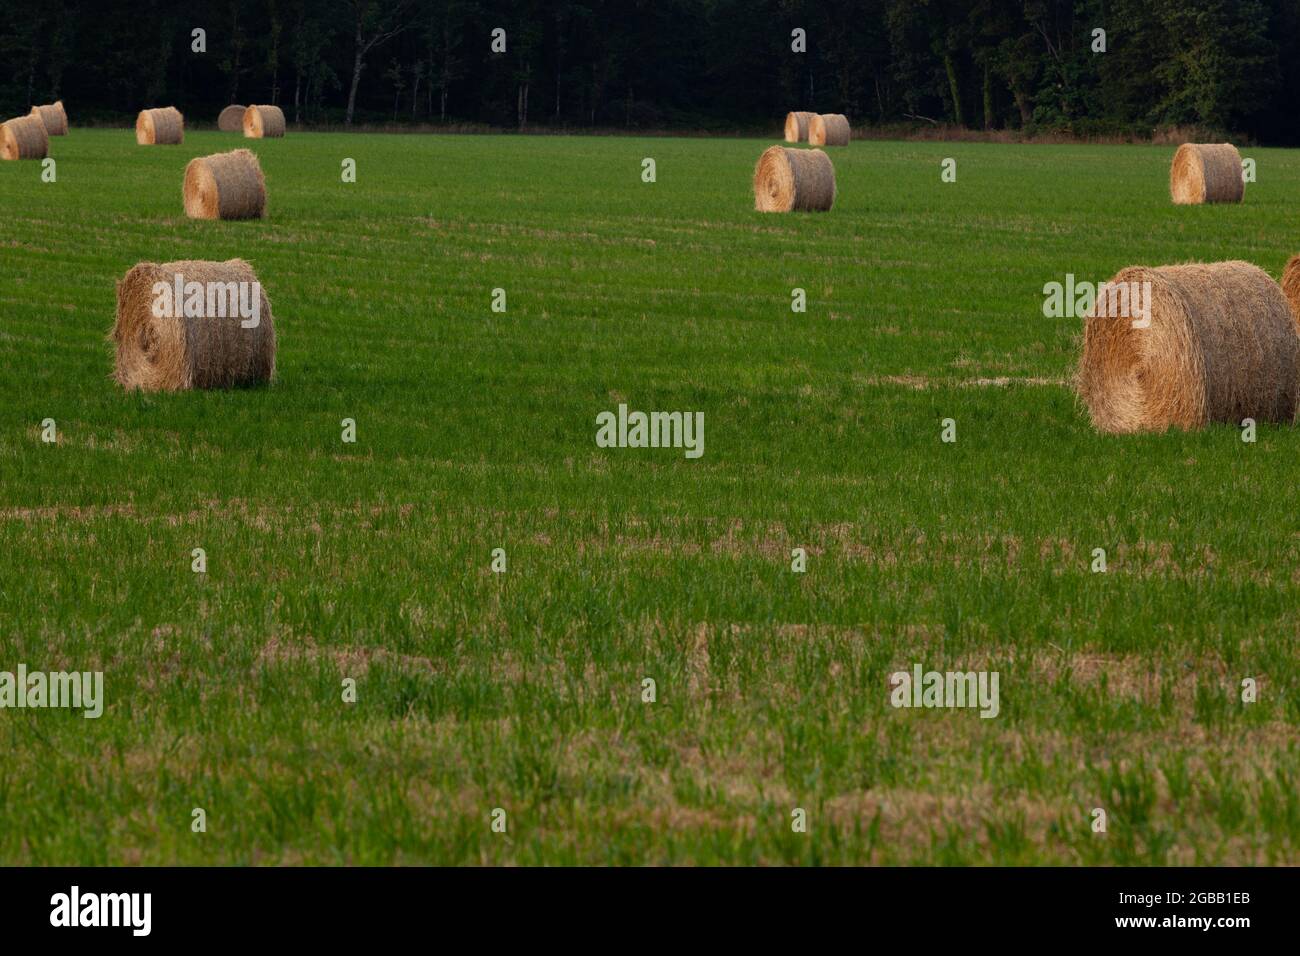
point(1026, 66)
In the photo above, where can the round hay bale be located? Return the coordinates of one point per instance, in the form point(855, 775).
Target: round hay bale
point(175, 352)
point(160, 127)
point(1221, 346)
point(828, 129)
point(793, 179)
point(24, 137)
point(231, 119)
point(796, 126)
point(1206, 173)
point(225, 186)
point(54, 118)
point(263, 122)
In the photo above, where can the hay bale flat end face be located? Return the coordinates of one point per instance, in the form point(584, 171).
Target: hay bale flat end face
point(176, 351)
point(1220, 346)
point(1206, 173)
point(231, 119)
point(160, 127)
point(24, 137)
point(225, 186)
point(788, 180)
point(263, 122)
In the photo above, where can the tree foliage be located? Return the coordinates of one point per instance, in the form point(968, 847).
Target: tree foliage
point(1228, 65)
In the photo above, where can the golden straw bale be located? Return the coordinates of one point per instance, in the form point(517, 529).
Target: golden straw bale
point(793, 179)
point(225, 186)
point(54, 117)
point(163, 345)
point(263, 122)
point(1221, 346)
point(1204, 173)
point(160, 127)
point(829, 129)
point(796, 126)
point(24, 137)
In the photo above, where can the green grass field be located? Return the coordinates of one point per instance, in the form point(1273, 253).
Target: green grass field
point(476, 430)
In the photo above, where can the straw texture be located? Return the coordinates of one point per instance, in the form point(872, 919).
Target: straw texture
point(1205, 173)
point(1222, 346)
point(787, 180)
point(225, 186)
point(172, 353)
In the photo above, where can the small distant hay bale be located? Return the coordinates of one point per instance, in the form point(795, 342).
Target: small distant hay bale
point(796, 126)
point(231, 119)
point(54, 117)
point(829, 129)
point(160, 127)
point(788, 180)
point(172, 353)
point(1203, 173)
point(263, 122)
point(225, 186)
point(1221, 347)
point(24, 137)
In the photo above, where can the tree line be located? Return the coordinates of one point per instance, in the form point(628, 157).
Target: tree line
point(1076, 67)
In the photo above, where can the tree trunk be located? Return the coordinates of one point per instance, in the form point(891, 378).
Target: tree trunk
point(297, 86)
point(275, 62)
point(446, 72)
point(951, 67)
point(1023, 104)
point(988, 97)
point(238, 44)
point(356, 81)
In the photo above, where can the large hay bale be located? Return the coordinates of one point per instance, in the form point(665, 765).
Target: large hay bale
point(160, 127)
point(1221, 346)
point(793, 179)
point(54, 117)
point(796, 126)
point(171, 352)
point(24, 137)
point(829, 129)
point(1206, 173)
point(261, 122)
point(231, 119)
point(225, 186)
